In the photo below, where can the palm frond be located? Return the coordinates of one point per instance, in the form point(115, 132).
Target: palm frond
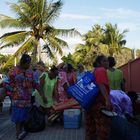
point(48, 51)
point(13, 38)
point(67, 32)
point(47, 29)
point(26, 47)
point(23, 12)
point(6, 21)
point(61, 42)
point(53, 11)
point(55, 45)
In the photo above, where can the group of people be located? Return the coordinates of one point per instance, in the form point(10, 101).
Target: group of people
point(111, 98)
point(49, 86)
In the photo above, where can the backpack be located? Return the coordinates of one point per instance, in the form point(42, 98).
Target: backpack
point(35, 121)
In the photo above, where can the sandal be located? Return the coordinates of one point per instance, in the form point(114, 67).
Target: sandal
point(108, 113)
point(22, 135)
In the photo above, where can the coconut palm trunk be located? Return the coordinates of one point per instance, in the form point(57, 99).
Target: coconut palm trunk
point(38, 52)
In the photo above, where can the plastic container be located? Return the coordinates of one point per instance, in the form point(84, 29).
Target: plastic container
point(72, 118)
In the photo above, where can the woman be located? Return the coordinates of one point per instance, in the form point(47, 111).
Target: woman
point(39, 68)
point(62, 84)
point(115, 75)
point(47, 83)
point(97, 124)
point(21, 84)
point(71, 76)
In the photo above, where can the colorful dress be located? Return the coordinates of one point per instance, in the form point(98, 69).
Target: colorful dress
point(62, 79)
point(71, 77)
point(20, 86)
point(97, 123)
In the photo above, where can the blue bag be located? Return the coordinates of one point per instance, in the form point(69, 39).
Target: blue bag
point(85, 90)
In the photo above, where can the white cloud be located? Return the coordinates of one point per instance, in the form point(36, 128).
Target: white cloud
point(130, 26)
point(72, 42)
point(7, 30)
point(9, 50)
point(79, 17)
point(121, 13)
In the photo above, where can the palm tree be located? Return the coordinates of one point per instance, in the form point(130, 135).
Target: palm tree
point(87, 52)
point(113, 38)
point(100, 40)
point(94, 36)
point(34, 18)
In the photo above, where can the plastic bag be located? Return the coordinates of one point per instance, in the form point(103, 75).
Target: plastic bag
point(35, 121)
point(85, 90)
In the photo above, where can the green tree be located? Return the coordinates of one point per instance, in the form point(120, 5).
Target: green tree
point(107, 40)
point(34, 18)
point(69, 59)
point(123, 57)
point(87, 52)
point(138, 53)
point(113, 38)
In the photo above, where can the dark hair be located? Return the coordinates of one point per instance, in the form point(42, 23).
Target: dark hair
point(70, 67)
point(111, 61)
point(41, 63)
point(95, 64)
point(53, 69)
point(98, 60)
point(133, 95)
point(25, 58)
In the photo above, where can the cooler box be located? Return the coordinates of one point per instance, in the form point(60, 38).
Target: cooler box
point(72, 118)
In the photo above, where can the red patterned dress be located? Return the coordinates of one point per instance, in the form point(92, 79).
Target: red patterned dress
point(96, 123)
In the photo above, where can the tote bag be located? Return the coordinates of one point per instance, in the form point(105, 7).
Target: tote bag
point(85, 90)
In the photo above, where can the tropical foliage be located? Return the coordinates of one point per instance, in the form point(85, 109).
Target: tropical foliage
point(4, 58)
point(138, 53)
point(113, 38)
point(106, 40)
point(34, 19)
